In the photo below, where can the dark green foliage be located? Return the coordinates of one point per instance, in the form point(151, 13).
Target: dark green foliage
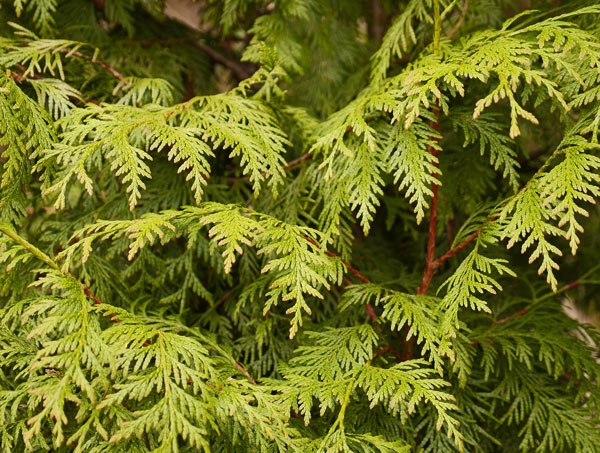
point(292, 228)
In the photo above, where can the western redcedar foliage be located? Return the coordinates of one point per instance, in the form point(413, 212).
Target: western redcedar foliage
point(292, 228)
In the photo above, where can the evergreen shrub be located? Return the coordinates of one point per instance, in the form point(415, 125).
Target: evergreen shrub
point(302, 226)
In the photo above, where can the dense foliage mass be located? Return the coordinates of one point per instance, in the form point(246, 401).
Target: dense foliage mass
point(304, 225)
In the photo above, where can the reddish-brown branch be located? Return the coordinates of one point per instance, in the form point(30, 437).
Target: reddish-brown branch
point(432, 222)
point(368, 307)
point(102, 64)
point(223, 298)
point(389, 349)
point(525, 309)
point(235, 67)
point(460, 20)
point(160, 42)
point(354, 272)
point(245, 372)
point(377, 26)
point(522, 311)
point(293, 163)
point(429, 267)
point(16, 77)
point(450, 253)
point(568, 377)
point(97, 301)
point(99, 4)
point(189, 86)
point(370, 312)
point(570, 285)
point(19, 77)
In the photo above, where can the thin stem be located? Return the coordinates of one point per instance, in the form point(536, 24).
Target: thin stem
point(437, 26)
point(7, 230)
point(293, 163)
point(378, 18)
point(573, 284)
point(357, 274)
point(511, 317)
point(345, 403)
point(580, 281)
point(433, 218)
point(389, 349)
point(69, 53)
point(450, 253)
point(340, 419)
point(239, 70)
point(102, 64)
point(19, 77)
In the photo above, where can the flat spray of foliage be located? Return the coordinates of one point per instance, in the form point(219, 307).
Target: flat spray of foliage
point(304, 226)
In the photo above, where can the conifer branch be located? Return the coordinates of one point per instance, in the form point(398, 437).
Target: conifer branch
point(8, 231)
point(453, 251)
point(230, 358)
point(407, 352)
point(437, 26)
point(19, 77)
point(354, 272)
point(244, 372)
point(564, 288)
point(128, 181)
point(524, 310)
point(339, 422)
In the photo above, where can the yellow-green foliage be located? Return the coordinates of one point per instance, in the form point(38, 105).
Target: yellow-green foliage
point(291, 228)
